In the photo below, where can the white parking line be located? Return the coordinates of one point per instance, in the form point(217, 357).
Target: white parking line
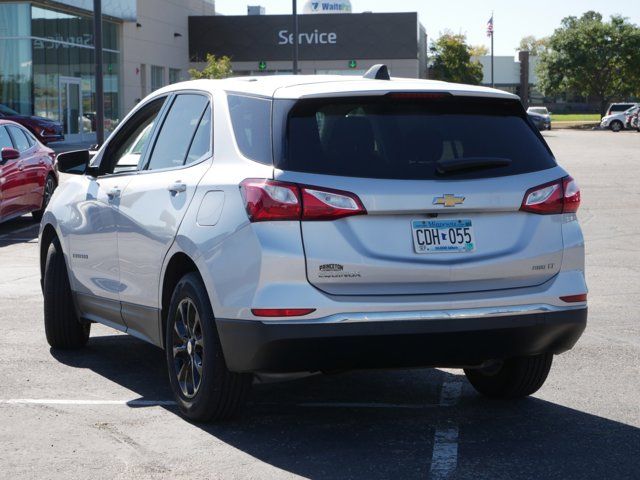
point(63, 401)
point(151, 403)
point(444, 459)
point(445, 453)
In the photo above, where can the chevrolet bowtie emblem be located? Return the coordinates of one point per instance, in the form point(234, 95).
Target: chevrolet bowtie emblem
point(448, 200)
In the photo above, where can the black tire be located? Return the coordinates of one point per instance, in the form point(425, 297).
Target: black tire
point(50, 185)
point(61, 324)
point(193, 349)
point(616, 126)
point(513, 378)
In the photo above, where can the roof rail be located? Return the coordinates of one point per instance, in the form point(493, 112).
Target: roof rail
point(378, 72)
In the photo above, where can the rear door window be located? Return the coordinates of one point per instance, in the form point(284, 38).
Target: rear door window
point(409, 136)
point(177, 131)
point(21, 140)
point(5, 139)
point(201, 143)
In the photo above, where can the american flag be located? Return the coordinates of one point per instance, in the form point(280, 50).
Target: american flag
point(490, 27)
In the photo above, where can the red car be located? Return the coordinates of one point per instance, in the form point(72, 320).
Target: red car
point(44, 129)
point(27, 174)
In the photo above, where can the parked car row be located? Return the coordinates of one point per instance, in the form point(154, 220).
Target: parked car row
point(540, 116)
point(620, 116)
point(27, 176)
point(44, 129)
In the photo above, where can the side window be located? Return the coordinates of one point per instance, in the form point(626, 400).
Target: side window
point(30, 138)
point(251, 119)
point(5, 139)
point(179, 126)
point(126, 148)
point(201, 143)
point(22, 143)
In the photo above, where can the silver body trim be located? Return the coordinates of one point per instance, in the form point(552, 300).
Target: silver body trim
point(357, 317)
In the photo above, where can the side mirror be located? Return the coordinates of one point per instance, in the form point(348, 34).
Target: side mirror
point(75, 162)
point(9, 154)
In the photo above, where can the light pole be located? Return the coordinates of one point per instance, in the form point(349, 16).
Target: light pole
point(97, 41)
point(295, 37)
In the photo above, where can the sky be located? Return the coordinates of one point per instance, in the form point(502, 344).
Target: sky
point(513, 19)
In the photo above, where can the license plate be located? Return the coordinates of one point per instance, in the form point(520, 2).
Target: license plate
point(443, 236)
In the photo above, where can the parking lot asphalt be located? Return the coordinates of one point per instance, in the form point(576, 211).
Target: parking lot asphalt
point(106, 411)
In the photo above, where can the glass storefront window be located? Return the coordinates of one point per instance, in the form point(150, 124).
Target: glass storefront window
point(15, 57)
point(157, 77)
point(46, 55)
point(174, 75)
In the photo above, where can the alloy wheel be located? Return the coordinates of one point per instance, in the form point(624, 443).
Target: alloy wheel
point(49, 187)
point(188, 347)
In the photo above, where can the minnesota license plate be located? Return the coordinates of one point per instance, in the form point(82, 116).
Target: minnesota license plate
point(442, 236)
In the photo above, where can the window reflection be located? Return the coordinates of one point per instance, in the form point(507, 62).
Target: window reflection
point(41, 49)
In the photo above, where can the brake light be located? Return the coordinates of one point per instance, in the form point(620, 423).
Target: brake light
point(268, 200)
point(419, 95)
point(282, 312)
point(559, 196)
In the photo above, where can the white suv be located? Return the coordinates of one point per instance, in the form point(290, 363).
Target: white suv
point(288, 224)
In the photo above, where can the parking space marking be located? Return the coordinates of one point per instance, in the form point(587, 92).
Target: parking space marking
point(445, 453)
point(62, 401)
point(152, 403)
point(444, 459)
point(450, 393)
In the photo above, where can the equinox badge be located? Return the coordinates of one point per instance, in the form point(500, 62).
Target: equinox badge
point(448, 200)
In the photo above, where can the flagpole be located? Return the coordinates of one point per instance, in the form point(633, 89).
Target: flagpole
point(492, 30)
point(295, 37)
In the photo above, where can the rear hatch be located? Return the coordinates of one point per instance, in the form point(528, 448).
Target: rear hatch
point(442, 179)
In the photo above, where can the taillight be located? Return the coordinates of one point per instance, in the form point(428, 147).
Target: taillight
point(268, 200)
point(324, 204)
point(571, 195)
point(559, 196)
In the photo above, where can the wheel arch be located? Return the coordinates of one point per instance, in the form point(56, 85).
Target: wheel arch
point(177, 267)
point(47, 236)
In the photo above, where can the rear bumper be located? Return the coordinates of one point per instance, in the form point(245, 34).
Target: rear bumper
point(251, 345)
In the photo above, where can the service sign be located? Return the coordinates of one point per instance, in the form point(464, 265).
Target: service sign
point(321, 36)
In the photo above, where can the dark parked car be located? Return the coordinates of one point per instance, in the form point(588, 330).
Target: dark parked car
point(44, 129)
point(542, 122)
point(27, 176)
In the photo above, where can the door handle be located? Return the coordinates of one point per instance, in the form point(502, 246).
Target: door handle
point(41, 161)
point(177, 187)
point(21, 166)
point(113, 193)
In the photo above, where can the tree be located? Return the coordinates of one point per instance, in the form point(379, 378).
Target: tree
point(478, 50)
point(535, 46)
point(452, 60)
point(215, 68)
point(595, 59)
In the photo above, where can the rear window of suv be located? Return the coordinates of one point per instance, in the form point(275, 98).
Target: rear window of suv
point(407, 136)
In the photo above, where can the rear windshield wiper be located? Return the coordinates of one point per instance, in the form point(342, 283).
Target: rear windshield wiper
point(470, 163)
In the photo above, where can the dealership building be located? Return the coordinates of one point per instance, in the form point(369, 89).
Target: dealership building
point(328, 43)
point(47, 50)
point(47, 61)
